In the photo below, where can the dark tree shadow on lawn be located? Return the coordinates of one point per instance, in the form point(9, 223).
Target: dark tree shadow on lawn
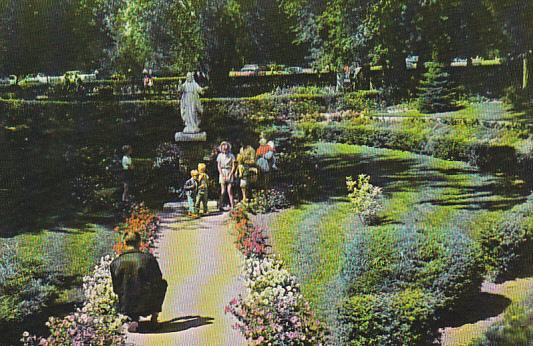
point(480, 307)
point(174, 325)
point(399, 175)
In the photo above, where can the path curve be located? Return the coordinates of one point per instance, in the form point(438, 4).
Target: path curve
point(202, 267)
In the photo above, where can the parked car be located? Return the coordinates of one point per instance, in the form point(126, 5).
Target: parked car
point(250, 70)
point(459, 62)
point(411, 62)
point(74, 75)
point(9, 80)
point(39, 78)
point(294, 70)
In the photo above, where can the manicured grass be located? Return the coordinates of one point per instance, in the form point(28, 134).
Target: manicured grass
point(419, 191)
point(67, 253)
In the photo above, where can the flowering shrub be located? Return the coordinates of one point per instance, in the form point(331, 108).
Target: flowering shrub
point(273, 309)
point(96, 323)
point(167, 154)
point(364, 197)
point(250, 240)
point(142, 221)
point(265, 201)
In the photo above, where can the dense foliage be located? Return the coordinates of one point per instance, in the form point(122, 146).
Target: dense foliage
point(436, 94)
point(506, 245)
point(24, 286)
point(402, 318)
point(400, 271)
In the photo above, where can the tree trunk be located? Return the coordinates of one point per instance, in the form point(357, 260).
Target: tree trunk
point(526, 69)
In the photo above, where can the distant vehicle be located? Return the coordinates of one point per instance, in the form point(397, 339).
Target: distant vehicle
point(294, 69)
point(39, 78)
point(459, 62)
point(9, 80)
point(74, 75)
point(411, 62)
point(250, 69)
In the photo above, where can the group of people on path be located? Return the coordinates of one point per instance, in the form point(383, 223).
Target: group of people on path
point(243, 171)
point(136, 276)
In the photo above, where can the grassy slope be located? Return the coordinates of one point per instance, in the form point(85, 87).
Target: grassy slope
point(419, 191)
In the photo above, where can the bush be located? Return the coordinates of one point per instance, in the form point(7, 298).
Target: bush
point(97, 322)
point(505, 245)
point(365, 198)
point(417, 138)
point(446, 264)
point(402, 318)
point(24, 288)
point(273, 310)
point(361, 100)
point(266, 201)
point(143, 221)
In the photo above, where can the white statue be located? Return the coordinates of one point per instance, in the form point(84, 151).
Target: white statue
point(190, 105)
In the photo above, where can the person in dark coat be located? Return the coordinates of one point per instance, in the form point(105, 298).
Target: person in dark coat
point(138, 282)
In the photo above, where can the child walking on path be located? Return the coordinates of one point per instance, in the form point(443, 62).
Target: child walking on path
point(203, 188)
point(191, 190)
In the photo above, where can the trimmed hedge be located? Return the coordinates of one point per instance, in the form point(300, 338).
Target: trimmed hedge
point(485, 155)
point(400, 274)
point(507, 246)
point(404, 318)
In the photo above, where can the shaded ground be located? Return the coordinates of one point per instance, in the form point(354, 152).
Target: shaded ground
point(201, 265)
point(420, 191)
point(486, 311)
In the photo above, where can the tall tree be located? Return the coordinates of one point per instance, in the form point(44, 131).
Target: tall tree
point(515, 17)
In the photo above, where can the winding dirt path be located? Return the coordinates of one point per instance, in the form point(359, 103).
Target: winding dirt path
point(202, 267)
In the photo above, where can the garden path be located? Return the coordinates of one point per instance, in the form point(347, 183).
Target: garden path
point(201, 265)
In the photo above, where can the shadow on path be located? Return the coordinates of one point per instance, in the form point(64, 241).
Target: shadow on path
point(481, 307)
point(178, 324)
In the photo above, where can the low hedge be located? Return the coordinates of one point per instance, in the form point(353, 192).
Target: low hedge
point(507, 245)
point(483, 154)
point(400, 274)
point(404, 318)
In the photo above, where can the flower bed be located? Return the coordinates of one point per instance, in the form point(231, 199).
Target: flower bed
point(97, 322)
point(273, 310)
point(142, 221)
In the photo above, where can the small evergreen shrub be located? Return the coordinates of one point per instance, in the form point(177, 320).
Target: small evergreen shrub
point(435, 92)
point(402, 318)
point(444, 263)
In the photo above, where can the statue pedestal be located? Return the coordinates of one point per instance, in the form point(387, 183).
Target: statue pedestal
point(190, 137)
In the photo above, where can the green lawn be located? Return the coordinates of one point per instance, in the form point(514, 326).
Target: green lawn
point(420, 191)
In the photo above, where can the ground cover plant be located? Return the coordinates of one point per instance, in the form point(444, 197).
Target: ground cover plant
point(420, 192)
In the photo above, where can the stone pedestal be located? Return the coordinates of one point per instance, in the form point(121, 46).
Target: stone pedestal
point(190, 137)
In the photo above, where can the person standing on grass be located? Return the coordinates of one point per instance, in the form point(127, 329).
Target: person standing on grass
point(138, 283)
point(226, 173)
point(127, 172)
